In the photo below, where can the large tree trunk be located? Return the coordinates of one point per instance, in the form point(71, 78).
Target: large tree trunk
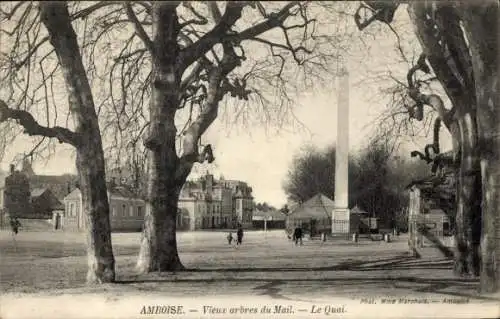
point(90, 164)
point(90, 156)
point(468, 200)
point(481, 26)
point(158, 250)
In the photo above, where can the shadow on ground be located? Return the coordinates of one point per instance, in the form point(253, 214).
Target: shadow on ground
point(275, 288)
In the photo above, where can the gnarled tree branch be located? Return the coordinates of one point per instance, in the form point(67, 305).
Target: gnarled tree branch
point(191, 53)
point(32, 127)
point(422, 99)
point(138, 27)
point(380, 10)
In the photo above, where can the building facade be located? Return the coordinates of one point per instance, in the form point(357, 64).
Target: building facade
point(126, 210)
point(208, 203)
point(44, 194)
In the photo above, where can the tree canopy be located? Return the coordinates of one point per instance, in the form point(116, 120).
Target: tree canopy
point(377, 179)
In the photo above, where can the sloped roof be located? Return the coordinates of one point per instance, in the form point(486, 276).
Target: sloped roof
point(75, 194)
point(119, 191)
point(54, 202)
point(318, 206)
point(58, 184)
point(122, 191)
point(37, 192)
point(357, 210)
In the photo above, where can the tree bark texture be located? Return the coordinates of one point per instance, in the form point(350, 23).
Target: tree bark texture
point(481, 22)
point(100, 258)
point(158, 251)
point(87, 141)
point(468, 213)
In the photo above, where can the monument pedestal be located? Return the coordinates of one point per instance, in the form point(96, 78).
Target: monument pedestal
point(340, 222)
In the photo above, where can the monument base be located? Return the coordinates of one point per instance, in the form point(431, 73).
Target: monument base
point(340, 221)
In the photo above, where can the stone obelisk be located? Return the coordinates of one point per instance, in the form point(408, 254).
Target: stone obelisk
point(340, 215)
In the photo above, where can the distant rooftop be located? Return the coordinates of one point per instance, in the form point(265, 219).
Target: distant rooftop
point(318, 206)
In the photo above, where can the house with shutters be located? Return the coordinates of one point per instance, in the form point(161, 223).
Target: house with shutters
point(126, 209)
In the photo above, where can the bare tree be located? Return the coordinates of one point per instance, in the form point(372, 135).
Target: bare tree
point(43, 49)
point(192, 61)
point(448, 33)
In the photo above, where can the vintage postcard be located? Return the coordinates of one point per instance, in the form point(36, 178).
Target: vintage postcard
point(246, 159)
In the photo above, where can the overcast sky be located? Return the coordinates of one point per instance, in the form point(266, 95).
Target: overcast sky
point(260, 155)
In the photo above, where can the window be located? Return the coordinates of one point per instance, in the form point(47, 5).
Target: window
point(139, 211)
point(124, 210)
point(71, 209)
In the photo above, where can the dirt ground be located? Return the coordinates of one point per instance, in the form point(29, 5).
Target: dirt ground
point(267, 265)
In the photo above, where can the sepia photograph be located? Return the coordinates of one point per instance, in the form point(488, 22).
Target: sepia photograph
point(249, 159)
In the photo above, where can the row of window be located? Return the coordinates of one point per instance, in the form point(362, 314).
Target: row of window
point(73, 209)
point(215, 209)
point(214, 221)
point(243, 204)
point(126, 210)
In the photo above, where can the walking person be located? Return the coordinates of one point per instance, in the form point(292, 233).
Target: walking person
point(239, 235)
point(14, 225)
point(230, 238)
point(297, 234)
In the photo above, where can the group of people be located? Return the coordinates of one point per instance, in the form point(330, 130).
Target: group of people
point(297, 236)
point(239, 236)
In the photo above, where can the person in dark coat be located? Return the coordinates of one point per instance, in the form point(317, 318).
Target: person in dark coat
point(297, 235)
point(230, 238)
point(14, 225)
point(239, 235)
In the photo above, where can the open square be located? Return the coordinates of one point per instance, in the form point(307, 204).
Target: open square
point(266, 263)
